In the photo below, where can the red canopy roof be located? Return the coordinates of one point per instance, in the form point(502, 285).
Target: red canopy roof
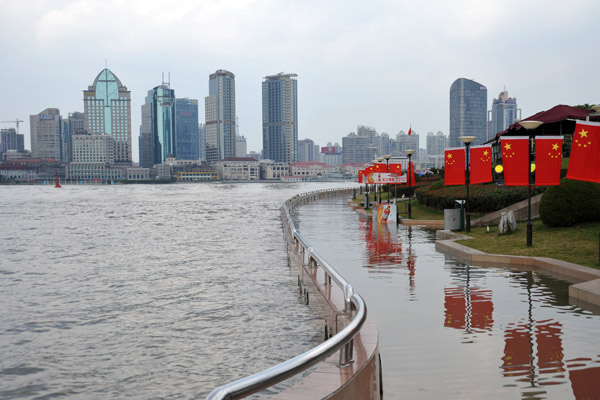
point(557, 113)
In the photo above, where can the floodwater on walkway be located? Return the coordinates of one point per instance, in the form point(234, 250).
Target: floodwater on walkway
point(449, 330)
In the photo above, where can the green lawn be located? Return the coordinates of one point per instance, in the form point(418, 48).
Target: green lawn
point(579, 244)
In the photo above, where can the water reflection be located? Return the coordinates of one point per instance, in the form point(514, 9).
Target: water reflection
point(483, 332)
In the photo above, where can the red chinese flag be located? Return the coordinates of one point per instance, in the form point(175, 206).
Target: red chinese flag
point(396, 169)
point(548, 157)
point(379, 167)
point(409, 130)
point(454, 166)
point(515, 160)
point(360, 176)
point(584, 164)
point(481, 164)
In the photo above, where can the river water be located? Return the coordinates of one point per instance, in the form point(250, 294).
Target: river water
point(145, 291)
point(454, 331)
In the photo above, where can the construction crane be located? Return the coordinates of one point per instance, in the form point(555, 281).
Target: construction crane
point(16, 121)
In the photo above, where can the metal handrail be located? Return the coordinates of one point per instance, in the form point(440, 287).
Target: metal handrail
point(261, 380)
point(342, 341)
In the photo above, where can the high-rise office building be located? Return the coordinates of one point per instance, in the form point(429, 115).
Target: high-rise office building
point(503, 114)
point(241, 147)
point(45, 130)
point(220, 116)
point(468, 111)
point(107, 109)
point(187, 132)
point(202, 141)
point(157, 135)
point(280, 117)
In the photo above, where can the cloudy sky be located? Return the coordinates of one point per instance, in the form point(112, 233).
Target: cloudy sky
point(386, 64)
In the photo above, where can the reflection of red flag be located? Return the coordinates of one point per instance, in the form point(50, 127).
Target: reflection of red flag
point(517, 351)
point(454, 166)
point(515, 160)
point(455, 308)
point(549, 346)
point(584, 382)
point(548, 157)
point(481, 164)
point(482, 309)
point(584, 164)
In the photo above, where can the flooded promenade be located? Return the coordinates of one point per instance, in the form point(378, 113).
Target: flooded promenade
point(451, 330)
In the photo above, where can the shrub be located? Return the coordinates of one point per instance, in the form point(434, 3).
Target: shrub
point(482, 198)
point(570, 203)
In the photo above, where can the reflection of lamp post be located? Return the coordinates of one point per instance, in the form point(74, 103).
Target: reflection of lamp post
point(374, 182)
point(530, 126)
point(467, 141)
point(366, 189)
point(387, 161)
point(409, 153)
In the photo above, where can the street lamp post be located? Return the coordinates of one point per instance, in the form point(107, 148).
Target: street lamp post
point(409, 153)
point(380, 160)
point(387, 161)
point(530, 126)
point(467, 141)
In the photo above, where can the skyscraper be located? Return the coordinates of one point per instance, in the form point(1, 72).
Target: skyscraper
point(46, 134)
point(504, 113)
point(187, 132)
point(220, 116)
point(468, 111)
point(107, 108)
point(280, 117)
point(307, 151)
point(157, 135)
point(11, 140)
point(75, 125)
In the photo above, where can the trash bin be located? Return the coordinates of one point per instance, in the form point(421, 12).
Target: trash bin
point(461, 205)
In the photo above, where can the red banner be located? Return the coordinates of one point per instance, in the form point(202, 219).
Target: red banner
point(548, 157)
point(411, 175)
point(396, 169)
point(454, 166)
point(481, 164)
point(584, 164)
point(515, 160)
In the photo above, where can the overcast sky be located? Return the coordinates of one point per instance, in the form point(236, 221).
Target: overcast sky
point(386, 64)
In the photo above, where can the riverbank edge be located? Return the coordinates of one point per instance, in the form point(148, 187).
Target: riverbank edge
point(362, 378)
point(585, 291)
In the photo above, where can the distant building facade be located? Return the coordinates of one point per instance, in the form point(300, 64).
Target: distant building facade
point(307, 150)
point(356, 149)
point(158, 124)
point(234, 168)
point(220, 116)
point(11, 140)
point(503, 114)
point(241, 147)
point(187, 129)
point(468, 111)
point(280, 117)
point(107, 109)
point(45, 129)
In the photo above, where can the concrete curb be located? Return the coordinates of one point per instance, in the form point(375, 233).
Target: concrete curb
point(587, 290)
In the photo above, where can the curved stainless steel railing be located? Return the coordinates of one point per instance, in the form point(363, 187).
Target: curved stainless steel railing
point(342, 341)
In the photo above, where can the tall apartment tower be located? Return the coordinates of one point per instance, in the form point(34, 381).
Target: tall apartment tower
point(436, 143)
point(280, 117)
point(503, 114)
point(11, 140)
point(157, 135)
point(187, 130)
point(468, 111)
point(307, 151)
point(75, 125)
point(46, 134)
point(220, 116)
point(107, 109)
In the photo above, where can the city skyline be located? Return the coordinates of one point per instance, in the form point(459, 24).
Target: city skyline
point(387, 65)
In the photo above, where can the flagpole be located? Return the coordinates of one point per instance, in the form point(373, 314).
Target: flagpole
point(409, 173)
point(530, 126)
